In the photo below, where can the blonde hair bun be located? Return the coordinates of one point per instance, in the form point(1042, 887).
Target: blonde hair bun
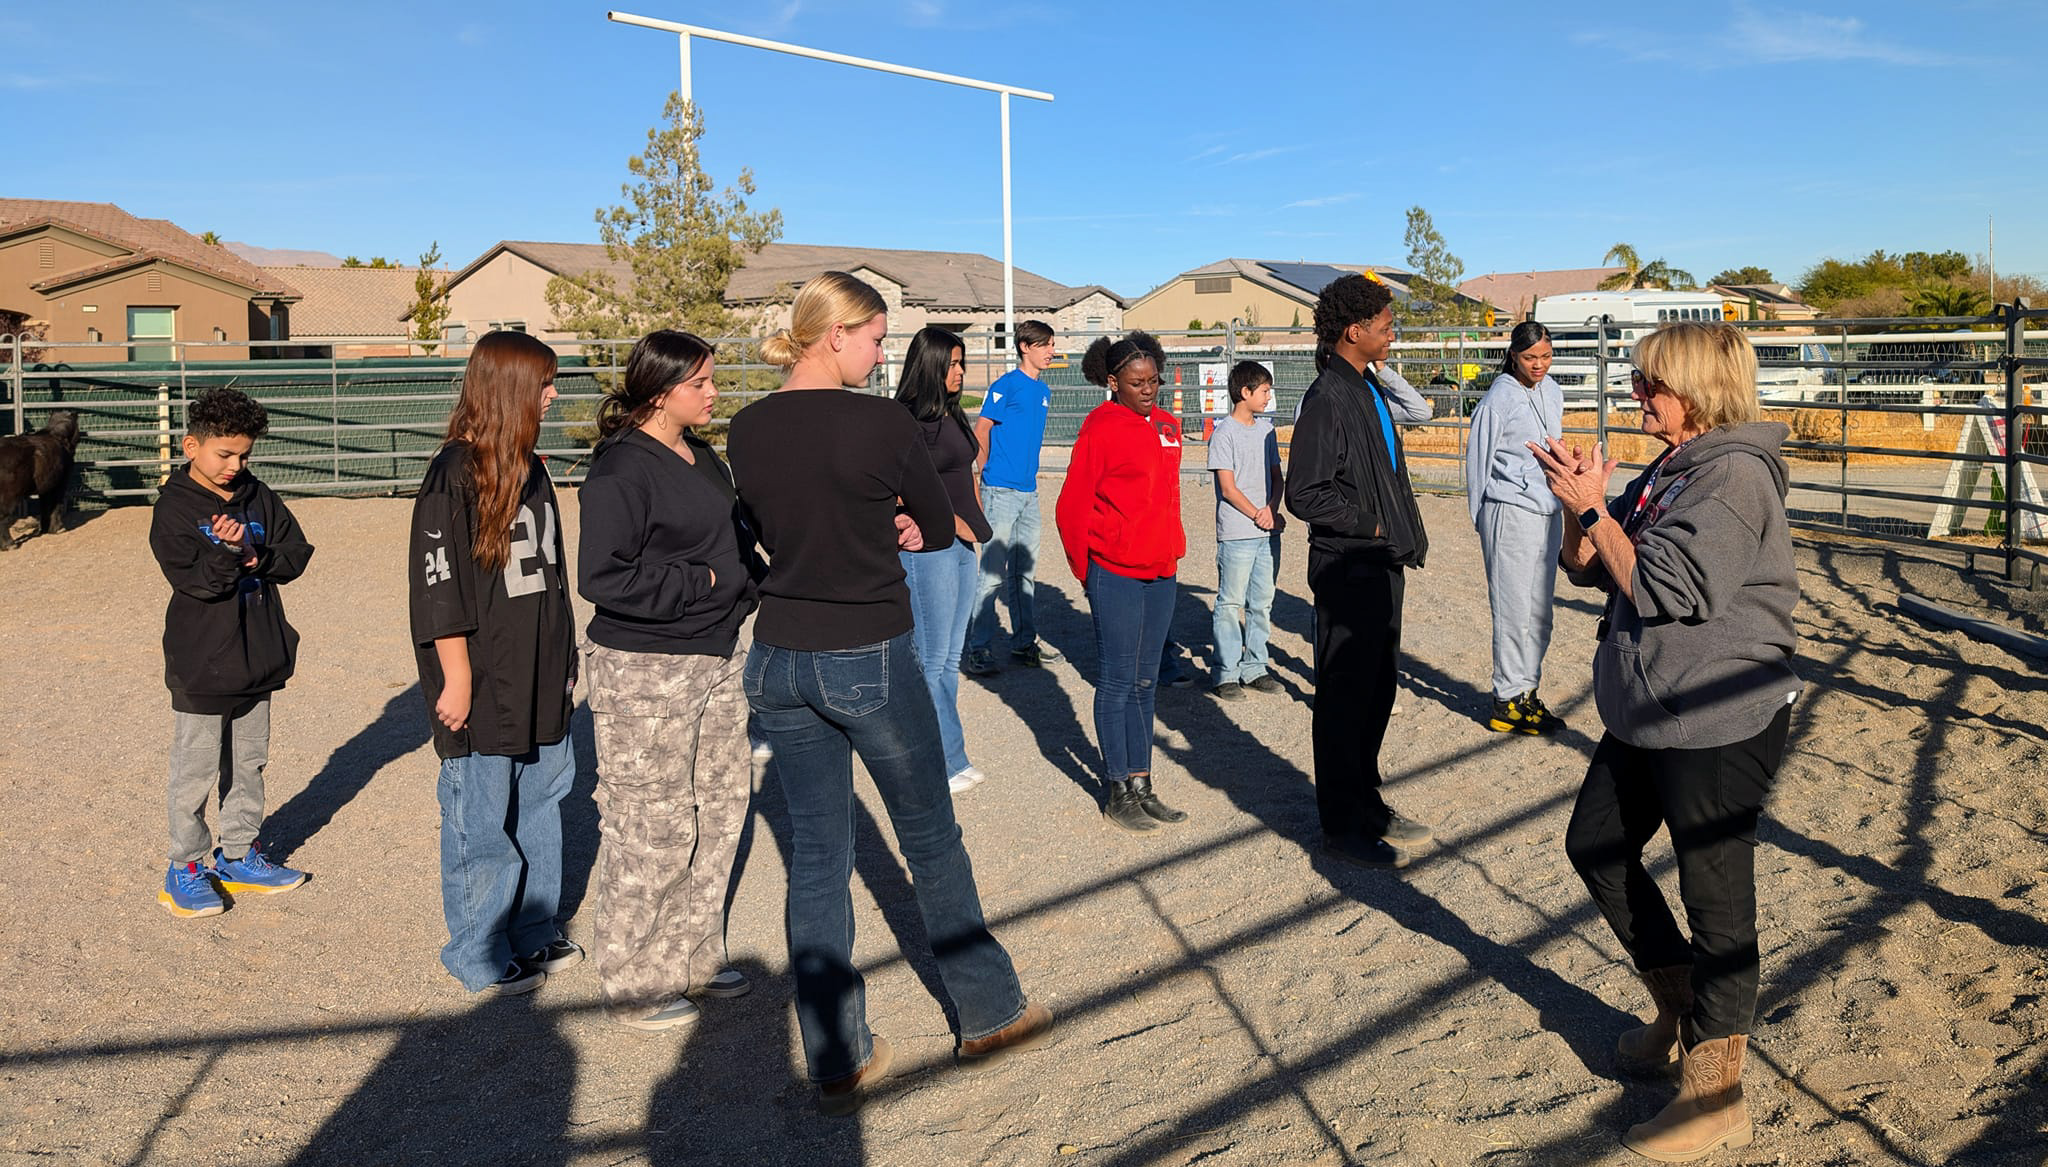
point(781, 349)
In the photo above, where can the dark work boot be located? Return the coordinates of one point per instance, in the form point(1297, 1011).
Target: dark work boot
point(1127, 809)
point(1142, 784)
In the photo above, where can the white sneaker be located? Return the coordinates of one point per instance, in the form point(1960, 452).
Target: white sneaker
point(677, 1012)
point(966, 779)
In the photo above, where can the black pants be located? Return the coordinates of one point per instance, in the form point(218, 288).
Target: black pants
point(1358, 642)
point(1711, 799)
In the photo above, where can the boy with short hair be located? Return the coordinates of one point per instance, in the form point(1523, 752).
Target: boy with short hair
point(1244, 455)
point(1011, 432)
point(224, 541)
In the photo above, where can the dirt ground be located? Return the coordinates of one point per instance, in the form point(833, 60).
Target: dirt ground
point(1225, 997)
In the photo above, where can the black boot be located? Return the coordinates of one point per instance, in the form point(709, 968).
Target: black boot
point(1142, 785)
point(1127, 808)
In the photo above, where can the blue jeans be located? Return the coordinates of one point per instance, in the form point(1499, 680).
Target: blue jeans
point(1130, 617)
point(1244, 590)
point(941, 599)
point(818, 708)
point(1008, 560)
point(501, 857)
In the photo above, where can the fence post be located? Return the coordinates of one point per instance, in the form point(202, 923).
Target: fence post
point(2015, 391)
point(334, 415)
point(1600, 392)
point(14, 363)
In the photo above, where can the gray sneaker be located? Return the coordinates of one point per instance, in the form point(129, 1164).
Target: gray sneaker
point(729, 983)
point(676, 1013)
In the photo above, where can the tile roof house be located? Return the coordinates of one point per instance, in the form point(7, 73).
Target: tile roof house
point(341, 304)
point(1765, 301)
point(1515, 293)
point(93, 274)
point(1266, 292)
point(506, 287)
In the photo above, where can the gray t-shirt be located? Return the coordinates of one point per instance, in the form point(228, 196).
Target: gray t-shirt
point(1250, 453)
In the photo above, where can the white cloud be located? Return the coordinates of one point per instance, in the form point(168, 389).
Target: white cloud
point(1322, 200)
point(1756, 38)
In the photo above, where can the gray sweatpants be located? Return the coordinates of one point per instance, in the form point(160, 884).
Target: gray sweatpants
point(225, 752)
point(1520, 549)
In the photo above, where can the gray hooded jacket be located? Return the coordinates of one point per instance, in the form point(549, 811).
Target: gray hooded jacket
point(1703, 656)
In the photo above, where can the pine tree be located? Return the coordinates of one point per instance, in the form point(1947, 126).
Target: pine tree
point(682, 241)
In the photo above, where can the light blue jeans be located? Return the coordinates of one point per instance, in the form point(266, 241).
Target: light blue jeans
point(1244, 593)
point(501, 857)
point(1008, 560)
point(941, 600)
point(819, 709)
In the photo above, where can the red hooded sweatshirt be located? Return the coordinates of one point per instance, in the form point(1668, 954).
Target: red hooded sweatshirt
point(1120, 505)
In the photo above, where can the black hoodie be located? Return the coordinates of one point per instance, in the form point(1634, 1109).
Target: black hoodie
point(225, 635)
point(657, 531)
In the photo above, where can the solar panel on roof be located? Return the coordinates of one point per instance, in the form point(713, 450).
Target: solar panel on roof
point(1309, 277)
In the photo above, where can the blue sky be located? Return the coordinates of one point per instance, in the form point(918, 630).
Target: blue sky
point(1711, 134)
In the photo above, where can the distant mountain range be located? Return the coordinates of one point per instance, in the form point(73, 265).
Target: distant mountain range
point(282, 256)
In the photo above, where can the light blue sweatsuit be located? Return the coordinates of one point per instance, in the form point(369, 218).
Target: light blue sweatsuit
point(1520, 529)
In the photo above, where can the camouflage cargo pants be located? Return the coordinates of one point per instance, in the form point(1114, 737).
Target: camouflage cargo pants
point(675, 774)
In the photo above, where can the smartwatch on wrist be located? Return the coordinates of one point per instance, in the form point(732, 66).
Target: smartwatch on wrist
point(1587, 518)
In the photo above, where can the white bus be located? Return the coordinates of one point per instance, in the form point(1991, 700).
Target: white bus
point(1575, 318)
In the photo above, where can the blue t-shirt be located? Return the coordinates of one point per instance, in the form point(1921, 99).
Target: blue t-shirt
point(1017, 404)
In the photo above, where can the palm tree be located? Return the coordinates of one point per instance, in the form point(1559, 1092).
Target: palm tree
point(1631, 268)
point(1946, 300)
point(210, 238)
point(1663, 275)
point(1635, 273)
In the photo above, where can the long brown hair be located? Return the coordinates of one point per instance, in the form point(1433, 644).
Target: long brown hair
point(498, 414)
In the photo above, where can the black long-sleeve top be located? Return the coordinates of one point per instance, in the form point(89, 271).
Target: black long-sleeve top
point(663, 552)
point(1344, 479)
point(225, 636)
point(820, 472)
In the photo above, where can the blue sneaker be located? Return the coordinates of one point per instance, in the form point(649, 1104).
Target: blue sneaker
point(252, 873)
point(187, 892)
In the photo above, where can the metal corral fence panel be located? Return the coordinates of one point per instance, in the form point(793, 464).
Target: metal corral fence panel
point(1899, 426)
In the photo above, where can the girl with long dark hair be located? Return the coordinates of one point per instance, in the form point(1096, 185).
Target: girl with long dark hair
point(1119, 519)
point(494, 638)
point(665, 558)
point(942, 581)
point(834, 670)
point(1520, 525)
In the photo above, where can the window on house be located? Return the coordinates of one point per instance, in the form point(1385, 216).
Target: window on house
point(1205, 287)
point(151, 332)
point(279, 318)
point(455, 333)
point(508, 325)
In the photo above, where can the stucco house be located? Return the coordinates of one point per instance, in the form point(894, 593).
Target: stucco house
point(93, 274)
point(506, 287)
point(343, 307)
point(1515, 292)
point(1267, 293)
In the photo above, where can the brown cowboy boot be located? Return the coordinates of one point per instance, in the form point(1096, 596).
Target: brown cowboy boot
point(1708, 1113)
point(1653, 1048)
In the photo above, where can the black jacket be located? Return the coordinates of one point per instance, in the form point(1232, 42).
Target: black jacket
point(1341, 476)
point(225, 636)
point(657, 532)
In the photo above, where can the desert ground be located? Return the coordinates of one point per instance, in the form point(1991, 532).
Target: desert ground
point(1225, 996)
